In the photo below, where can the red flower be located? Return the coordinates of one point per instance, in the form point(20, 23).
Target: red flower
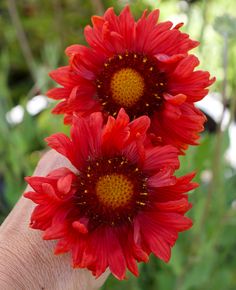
point(141, 66)
point(121, 203)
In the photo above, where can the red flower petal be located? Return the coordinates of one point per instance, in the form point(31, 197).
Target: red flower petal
point(153, 239)
point(178, 125)
point(62, 144)
point(175, 100)
point(116, 132)
point(80, 227)
point(159, 156)
point(64, 183)
point(162, 178)
point(178, 206)
point(58, 93)
point(186, 66)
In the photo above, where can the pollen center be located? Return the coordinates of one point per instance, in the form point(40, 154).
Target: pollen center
point(127, 86)
point(114, 190)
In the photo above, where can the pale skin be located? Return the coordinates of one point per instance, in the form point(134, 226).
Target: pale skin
point(26, 261)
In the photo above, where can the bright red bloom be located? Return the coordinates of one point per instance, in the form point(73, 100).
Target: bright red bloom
point(142, 66)
point(122, 202)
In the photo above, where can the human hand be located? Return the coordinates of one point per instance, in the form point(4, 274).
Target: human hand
point(27, 261)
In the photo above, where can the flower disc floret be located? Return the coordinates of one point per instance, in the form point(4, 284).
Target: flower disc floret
point(127, 86)
point(114, 190)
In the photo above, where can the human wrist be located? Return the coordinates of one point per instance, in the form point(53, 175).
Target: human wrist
point(32, 265)
point(14, 273)
point(25, 263)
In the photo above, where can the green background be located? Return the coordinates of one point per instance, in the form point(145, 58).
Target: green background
point(33, 36)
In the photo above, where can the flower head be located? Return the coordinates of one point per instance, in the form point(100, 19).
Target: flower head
point(121, 202)
point(141, 66)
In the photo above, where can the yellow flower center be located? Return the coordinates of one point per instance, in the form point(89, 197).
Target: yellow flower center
point(114, 190)
point(127, 86)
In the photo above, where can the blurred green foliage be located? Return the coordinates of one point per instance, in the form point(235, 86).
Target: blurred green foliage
point(33, 37)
